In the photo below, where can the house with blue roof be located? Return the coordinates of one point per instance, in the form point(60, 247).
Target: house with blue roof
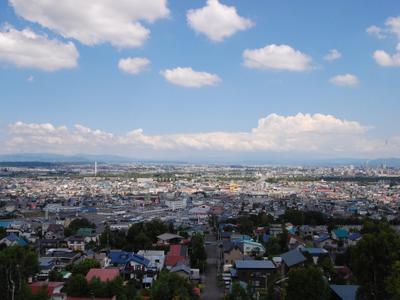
point(344, 292)
point(292, 258)
point(132, 265)
point(340, 234)
point(13, 240)
point(354, 237)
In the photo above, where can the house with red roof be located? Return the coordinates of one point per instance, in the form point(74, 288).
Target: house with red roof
point(102, 274)
point(177, 254)
point(53, 289)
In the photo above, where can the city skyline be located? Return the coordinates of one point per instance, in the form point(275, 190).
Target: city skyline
point(200, 79)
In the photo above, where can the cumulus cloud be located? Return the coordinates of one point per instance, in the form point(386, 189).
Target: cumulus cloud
point(277, 57)
point(27, 49)
point(95, 21)
point(349, 80)
point(375, 31)
point(393, 25)
point(382, 57)
point(385, 59)
point(189, 78)
point(301, 133)
point(133, 65)
point(332, 55)
point(217, 21)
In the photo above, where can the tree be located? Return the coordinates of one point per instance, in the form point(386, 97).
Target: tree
point(84, 266)
point(171, 286)
point(76, 286)
point(198, 254)
point(373, 258)
point(77, 224)
point(3, 233)
point(393, 282)
point(307, 283)
point(237, 293)
point(17, 264)
point(54, 275)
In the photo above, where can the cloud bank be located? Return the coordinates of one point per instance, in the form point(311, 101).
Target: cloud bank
point(93, 22)
point(27, 49)
point(316, 134)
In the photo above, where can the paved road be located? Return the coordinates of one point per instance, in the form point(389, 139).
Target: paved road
point(211, 289)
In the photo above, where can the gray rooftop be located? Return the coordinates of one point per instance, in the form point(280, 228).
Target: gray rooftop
point(293, 257)
point(254, 264)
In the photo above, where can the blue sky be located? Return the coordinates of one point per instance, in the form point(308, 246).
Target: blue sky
point(98, 95)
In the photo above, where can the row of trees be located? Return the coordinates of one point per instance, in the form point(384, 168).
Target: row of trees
point(139, 236)
point(17, 264)
point(198, 254)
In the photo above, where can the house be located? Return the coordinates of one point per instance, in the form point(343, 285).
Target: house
point(132, 265)
point(295, 242)
point(344, 292)
point(137, 266)
point(315, 253)
point(86, 232)
point(292, 258)
point(54, 232)
point(323, 241)
point(13, 240)
point(252, 248)
point(254, 272)
point(53, 289)
point(103, 275)
point(231, 252)
point(62, 257)
point(76, 243)
point(177, 254)
point(46, 265)
point(156, 258)
point(186, 272)
point(354, 237)
point(340, 234)
point(101, 257)
point(168, 239)
point(275, 230)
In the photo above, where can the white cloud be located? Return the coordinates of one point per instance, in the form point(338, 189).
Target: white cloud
point(187, 77)
point(384, 59)
point(277, 57)
point(376, 31)
point(332, 55)
point(393, 24)
point(95, 21)
point(26, 49)
point(30, 78)
point(349, 80)
point(301, 133)
point(217, 21)
point(133, 65)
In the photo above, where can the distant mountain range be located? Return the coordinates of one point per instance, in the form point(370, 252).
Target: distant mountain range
point(90, 158)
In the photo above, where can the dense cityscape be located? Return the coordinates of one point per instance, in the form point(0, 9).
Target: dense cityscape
point(199, 150)
point(153, 231)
